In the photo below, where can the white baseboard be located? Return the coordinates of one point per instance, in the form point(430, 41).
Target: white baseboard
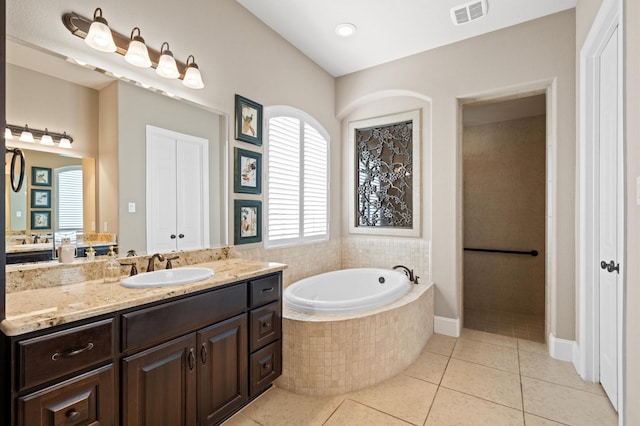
point(561, 349)
point(446, 326)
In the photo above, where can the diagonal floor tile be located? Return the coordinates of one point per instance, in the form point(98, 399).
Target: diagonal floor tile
point(494, 339)
point(533, 347)
point(440, 344)
point(240, 419)
point(483, 382)
point(451, 408)
point(354, 413)
point(566, 405)
point(277, 407)
point(402, 396)
point(555, 371)
point(429, 367)
point(495, 356)
point(531, 420)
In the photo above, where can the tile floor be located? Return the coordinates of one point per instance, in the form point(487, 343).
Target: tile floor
point(522, 326)
point(477, 379)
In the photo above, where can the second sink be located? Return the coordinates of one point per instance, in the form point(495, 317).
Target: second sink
point(167, 277)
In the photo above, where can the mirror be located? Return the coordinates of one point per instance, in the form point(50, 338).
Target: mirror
point(106, 118)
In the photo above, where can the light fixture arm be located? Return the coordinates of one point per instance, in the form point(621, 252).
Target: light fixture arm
point(79, 26)
point(39, 133)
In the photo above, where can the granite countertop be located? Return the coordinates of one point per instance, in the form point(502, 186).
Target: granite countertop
point(37, 309)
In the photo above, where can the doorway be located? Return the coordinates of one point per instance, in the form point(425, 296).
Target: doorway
point(504, 200)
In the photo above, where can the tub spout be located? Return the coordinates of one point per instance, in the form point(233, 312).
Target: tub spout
point(408, 272)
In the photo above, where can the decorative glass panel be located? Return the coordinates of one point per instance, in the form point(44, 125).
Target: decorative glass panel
point(384, 179)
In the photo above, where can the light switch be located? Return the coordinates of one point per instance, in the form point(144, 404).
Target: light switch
point(132, 207)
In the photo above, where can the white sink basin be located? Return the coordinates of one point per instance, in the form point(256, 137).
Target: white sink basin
point(167, 277)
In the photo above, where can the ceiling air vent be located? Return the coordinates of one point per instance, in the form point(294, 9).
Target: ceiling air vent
point(468, 12)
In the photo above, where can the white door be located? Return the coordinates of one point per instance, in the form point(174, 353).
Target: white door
point(610, 205)
point(177, 191)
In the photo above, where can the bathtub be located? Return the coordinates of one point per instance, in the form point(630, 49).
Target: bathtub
point(347, 291)
point(335, 353)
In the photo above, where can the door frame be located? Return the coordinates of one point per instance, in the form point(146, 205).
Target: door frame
point(587, 355)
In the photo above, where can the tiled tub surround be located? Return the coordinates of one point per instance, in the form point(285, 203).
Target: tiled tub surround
point(39, 308)
point(333, 354)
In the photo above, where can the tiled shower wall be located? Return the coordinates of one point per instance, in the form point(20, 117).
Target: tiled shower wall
point(504, 208)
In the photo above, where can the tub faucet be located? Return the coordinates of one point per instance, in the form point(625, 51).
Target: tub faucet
point(408, 272)
point(151, 266)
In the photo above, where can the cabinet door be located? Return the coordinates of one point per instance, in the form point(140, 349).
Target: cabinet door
point(84, 400)
point(159, 385)
point(223, 381)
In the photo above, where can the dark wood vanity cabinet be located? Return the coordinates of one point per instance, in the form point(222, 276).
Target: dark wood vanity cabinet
point(193, 360)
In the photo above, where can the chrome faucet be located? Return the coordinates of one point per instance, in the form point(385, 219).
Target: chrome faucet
point(408, 272)
point(151, 265)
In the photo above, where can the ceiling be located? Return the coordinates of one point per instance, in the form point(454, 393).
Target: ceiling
point(386, 29)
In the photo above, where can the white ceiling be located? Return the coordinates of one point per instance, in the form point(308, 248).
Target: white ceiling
point(387, 29)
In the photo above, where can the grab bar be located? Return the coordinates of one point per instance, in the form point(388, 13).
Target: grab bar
point(529, 253)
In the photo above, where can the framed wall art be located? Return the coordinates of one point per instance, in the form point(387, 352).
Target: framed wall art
point(40, 176)
point(248, 172)
point(41, 219)
point(40, 198)
point(248, 221)
point(248, 121)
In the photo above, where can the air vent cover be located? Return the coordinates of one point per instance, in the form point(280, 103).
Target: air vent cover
point(468, 12)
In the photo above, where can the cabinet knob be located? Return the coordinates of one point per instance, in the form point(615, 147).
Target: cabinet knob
point(72, 414)
point(180, 235)
point(173, 236)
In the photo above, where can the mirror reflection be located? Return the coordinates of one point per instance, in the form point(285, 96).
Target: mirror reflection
point(107, 117)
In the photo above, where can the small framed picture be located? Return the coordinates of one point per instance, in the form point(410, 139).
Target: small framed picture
point(40, 176)
point(248, 172)
point(41, 198)
point(40, 219)
point(248, 221)
point(248, 121)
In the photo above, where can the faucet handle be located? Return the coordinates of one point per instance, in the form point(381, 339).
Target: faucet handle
point(169, 259)
point(134, 268)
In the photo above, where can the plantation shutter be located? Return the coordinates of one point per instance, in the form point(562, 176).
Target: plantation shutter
point(315, 183)
point(69, 189)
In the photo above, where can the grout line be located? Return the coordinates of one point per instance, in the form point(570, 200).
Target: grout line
point(481, 398)
point(380, 411)
point(334, 411)
point(521, 385)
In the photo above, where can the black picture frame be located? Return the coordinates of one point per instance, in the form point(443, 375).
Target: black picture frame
point(248, 171)
point(248, 221)
point(40, 176)
point(40, 219)
point(248, 121)
point(40, 198)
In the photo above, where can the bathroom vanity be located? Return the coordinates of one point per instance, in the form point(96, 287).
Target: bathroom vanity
point(180, 355)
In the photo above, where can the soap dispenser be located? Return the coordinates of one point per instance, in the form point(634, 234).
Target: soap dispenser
point(91, 253)
point(111, 268)
point(66, 251)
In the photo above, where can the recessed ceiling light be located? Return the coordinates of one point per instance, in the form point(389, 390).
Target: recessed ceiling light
point(345, 30)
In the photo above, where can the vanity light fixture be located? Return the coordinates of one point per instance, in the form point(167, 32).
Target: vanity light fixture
point(99, 36)
point(167, 67)
point(26, 135)
point(46, 137)
point(134, 47)
point(137, 53)
point(192, 78)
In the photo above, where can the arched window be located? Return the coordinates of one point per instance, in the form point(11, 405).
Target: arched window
point(297, 178)
point(69, 212)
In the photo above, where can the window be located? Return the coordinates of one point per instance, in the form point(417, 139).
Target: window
point(297, 175)
point(69, 211)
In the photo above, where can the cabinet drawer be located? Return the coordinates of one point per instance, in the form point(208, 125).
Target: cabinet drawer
point(265, 325)
point(146, 327)
point(264, 290)
point(266, 366)
point(47, 357)
point(84, 400)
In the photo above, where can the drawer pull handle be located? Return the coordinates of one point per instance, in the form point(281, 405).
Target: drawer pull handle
point(266, 324)
point(74, 352)
point(266, 290)
point(266, 366)
point(203, 353)
point(72, 415)
point(192, 359)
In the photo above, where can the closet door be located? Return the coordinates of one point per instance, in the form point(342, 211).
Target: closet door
point(177, 191)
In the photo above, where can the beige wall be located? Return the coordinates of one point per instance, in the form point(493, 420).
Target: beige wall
point(504, 208)
point(538, 52)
